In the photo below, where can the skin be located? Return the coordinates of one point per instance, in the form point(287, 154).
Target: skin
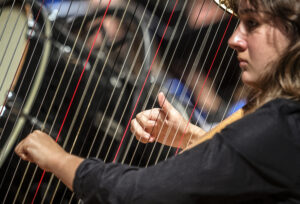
point(164, 125)
point(257, 46)
point(110, 24)
point(40, 148)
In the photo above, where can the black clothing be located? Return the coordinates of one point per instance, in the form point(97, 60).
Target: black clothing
point(254, 160)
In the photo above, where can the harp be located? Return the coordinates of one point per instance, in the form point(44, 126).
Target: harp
point(81, 70)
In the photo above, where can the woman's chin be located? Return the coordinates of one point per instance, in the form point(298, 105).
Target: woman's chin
point(247, 80)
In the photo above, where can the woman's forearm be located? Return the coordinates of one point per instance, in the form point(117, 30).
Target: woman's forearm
point(65, 169)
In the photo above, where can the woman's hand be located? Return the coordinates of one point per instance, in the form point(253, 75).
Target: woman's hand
point(165, 125)
point(40, 148)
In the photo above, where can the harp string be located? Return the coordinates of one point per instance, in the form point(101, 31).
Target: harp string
point(173, 98)
point(156, 81)
point(12, 31)
point(31, 129)
point(188, 81)
point(152, 151)
point(19, 113)
point(135, 83)
point(155, 99)
point(100, 148)
point(144, 82)
point(161, 62)
point(84, 117)
point(93, 69)
point(203, 86)
point(144, 151)
point(197, 100)
point(17, 73)
point(23, 54)
point(200, 52)
point(164, 77)
point(44, 121)
point(125, 84)
point(85, 65)
point(96, 134)
point(68, 134)
point(1, 86)
point(9, 65)
point(1, 35)
point(192, 71)
point(148, 53)
point(117, 104)
point(29, 164)
point(106, 131)
point(217, 91)
point(76, 89)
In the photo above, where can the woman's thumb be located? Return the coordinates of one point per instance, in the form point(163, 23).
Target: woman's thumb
point(164, 103)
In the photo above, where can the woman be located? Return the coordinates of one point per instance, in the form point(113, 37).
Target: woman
point(254, 160)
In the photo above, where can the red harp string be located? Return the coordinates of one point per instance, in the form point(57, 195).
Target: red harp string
point(200, 93)
point(75, 91)
point(145, 82)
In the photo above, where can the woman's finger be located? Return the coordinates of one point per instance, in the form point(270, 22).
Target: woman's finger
point(144, 121)
point(152, 114)
point(139, 131)
point(22, 150)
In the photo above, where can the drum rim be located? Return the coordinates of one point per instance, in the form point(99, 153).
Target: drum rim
point(20, 122)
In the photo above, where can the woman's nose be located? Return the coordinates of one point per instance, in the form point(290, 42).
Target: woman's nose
point(237, 40)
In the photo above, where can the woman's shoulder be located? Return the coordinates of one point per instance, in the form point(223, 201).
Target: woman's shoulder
point(276, 114)
point(282, 105)
point(278, 119)
point(269, 139)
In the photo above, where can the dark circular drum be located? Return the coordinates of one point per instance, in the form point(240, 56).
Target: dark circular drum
point(19, 69)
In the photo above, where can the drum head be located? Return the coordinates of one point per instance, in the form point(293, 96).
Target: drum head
point(13, 30)
point(23, 59)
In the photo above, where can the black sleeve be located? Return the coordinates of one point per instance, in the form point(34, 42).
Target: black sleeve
point(270, 140)
point(220, 170)
point(211, 172)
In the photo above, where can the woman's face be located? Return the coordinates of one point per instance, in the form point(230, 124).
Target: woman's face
point(258, 43)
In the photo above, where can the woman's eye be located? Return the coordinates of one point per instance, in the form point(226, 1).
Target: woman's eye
point(251, 24)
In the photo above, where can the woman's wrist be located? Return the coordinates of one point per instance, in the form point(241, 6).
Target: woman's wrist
point(65, 168)
point(194, 133)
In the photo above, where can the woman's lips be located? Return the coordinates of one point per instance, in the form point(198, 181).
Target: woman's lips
point(243, 63)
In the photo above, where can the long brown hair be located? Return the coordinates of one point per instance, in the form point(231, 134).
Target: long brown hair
point(283, 81)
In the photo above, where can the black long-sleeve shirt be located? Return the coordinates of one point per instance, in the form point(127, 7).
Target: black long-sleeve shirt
point(254, 160)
